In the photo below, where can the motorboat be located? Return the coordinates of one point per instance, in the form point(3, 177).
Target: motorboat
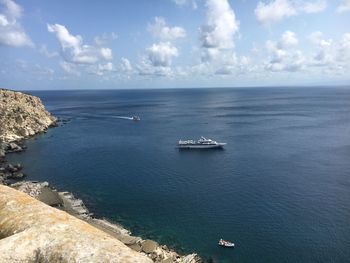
point(136, 118)
point(225, 243)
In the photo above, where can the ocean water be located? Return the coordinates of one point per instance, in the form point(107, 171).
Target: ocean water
point(280, 189)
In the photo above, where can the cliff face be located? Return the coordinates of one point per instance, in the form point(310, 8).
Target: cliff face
point(31, 231)
point(22, 115)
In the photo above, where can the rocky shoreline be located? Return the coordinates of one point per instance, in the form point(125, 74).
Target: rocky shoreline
point(12, 175)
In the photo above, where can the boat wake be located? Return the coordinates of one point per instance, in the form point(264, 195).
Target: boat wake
point(122, 117)
point(95, 116)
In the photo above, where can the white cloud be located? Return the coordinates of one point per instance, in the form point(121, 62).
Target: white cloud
point(3, 20)
point(73, 49)
point(160, 30)
point(43, 50)
point(325, 50)
point(331, 52)
point(217, 35)
point(11, 31)
point(193, 3)
point(106, 53)
point(158, 60)
point(221, 25)
point(146, 69)
point(125, 65)
point(276, 10)
point(313, 7)
point(101, 69)
point(238, 65)
point(267, 13)
point(105, 38)
point(344, 6)
point(288, 39)
point(161, 54)
point(217, 39)
point(106, 67)
point(283, 55)
point(69, 68)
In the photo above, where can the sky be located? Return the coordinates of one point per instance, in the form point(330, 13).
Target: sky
point(135, 44)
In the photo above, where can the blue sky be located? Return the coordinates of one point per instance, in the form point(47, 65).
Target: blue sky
point(173, 43)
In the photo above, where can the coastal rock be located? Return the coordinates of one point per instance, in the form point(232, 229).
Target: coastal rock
point(136, 247)
point(31, 231)
point(50, 197)
point(192, 258)
point(30, 188)
point(168, 260)
point(14, 147)
point(10, 168)
point(128, 240)
point(2, 153)
point(17, 175)
point(21, 116)
point(148, 246)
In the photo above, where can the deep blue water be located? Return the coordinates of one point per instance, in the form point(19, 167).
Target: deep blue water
point(280, 189)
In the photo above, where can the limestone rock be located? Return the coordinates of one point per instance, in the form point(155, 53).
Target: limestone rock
point(21, 115)
point(192, 258)
point(128, 240)
point(136, 247)
point(31, 231)
point(17, 175)
point(2, 153)
point(50, 197)
point(168, 260)
point(148, 246)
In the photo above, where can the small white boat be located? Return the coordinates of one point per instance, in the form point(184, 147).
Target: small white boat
point(136, 118)
point(225, 243)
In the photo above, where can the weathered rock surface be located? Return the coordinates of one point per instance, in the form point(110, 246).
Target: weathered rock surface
point(149, 246)
point(31, 231)
point(21, 116)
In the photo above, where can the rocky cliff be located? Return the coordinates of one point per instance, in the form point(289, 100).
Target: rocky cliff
point(22, 115)
point(31, 231)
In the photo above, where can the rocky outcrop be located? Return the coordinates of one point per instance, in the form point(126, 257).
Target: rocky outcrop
point(31, 231)
point(67, 202)
point(22, 115)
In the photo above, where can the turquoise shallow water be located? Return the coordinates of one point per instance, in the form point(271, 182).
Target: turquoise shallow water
point(280, 189)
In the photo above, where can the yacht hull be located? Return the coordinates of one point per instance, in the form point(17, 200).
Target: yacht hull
point(194, 146)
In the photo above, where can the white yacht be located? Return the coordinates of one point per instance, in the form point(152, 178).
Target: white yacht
point(202, 143)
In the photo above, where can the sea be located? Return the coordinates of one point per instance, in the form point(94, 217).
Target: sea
point(280, 188)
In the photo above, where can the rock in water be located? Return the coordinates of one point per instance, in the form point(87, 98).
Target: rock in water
point(148, 246)
point(21, 116)
point(2, 153)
